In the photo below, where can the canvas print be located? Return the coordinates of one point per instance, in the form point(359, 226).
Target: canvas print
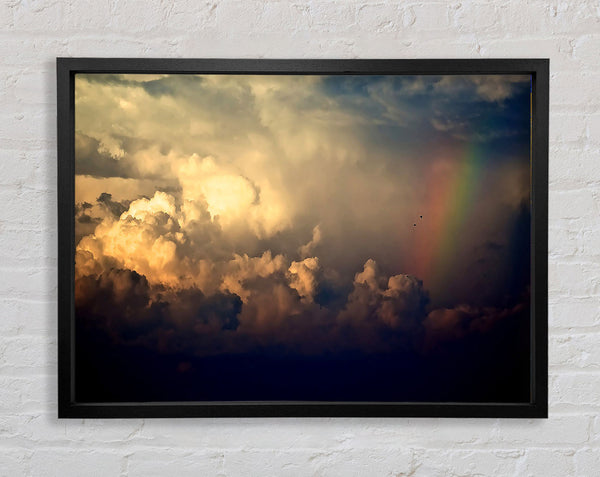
point(305, 238)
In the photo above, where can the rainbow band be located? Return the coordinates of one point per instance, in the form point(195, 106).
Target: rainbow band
point(451, 188)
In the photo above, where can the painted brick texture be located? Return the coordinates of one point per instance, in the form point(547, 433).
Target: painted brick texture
point(34, 443)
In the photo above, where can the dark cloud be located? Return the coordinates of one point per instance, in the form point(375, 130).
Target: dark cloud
point(215, 313)
point(124, 305)
point(92, 160)
point(453, 324)
point(114, 207)
point(408, 111)
point(134, 311)
point(85, 220)
point(379, 314)
point(118, 302)
point(109, 79)
point(173, 85)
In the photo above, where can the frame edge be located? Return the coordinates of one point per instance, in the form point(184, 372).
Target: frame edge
point(68, 408)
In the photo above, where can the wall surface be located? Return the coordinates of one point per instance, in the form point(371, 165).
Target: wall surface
point(34, 442)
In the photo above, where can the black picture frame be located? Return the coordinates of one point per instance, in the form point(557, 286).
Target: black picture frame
point(69, 408)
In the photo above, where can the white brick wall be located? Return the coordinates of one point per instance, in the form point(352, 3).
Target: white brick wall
point(34, 442)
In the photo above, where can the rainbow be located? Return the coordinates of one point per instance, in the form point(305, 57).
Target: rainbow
point(452, 183)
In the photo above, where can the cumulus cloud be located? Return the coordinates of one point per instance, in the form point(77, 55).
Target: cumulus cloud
point(398, 302)
point(303, 277)
point(148, 238)
point(231, 197)
point(307, 249)
point(238, 272)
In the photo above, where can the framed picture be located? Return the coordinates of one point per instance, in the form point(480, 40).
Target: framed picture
point(302, 237)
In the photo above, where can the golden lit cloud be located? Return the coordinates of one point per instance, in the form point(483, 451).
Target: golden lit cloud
point(231, 197)
point(303, 277)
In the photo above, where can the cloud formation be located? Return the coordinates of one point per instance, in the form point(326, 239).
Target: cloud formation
point(220, 213)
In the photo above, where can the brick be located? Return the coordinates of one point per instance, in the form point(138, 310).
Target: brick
point(472, 16)
point(595, 430)
point(104, 432)
point(165, 461)
point(33, 283)
point(75, 462)
point(36, 87)
point(587, 461)
point(15, 462)
point(548, 462)
point(575, 350)
point(572, 204)
point(44, 15)
point(574, 312)
point(379, 17)
point(23, 50)
point(585, 50)
point(268, 17)
point(567, 128)
point(179, 15)
point(88, 15)
point(468, 462)
point(321, 462)
point(564, 242)
point(573, 166)
point(557, 430)
point(563, 90)
point(591, 242)
point(27, 316)
point(28, 354)
point(25, 247)
point(24, 395)
point(128, 47)
point(431, 16)
point(593, 128)
point(552, 18)
point(440, 47)
point(333, 16)
point(24, 123)
point(25, 207)
point(574, 279)
point(136, 17)
point(6, 15)
point(558, 48)
point(30, 169)
point(27, 429)
point(575, 389)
